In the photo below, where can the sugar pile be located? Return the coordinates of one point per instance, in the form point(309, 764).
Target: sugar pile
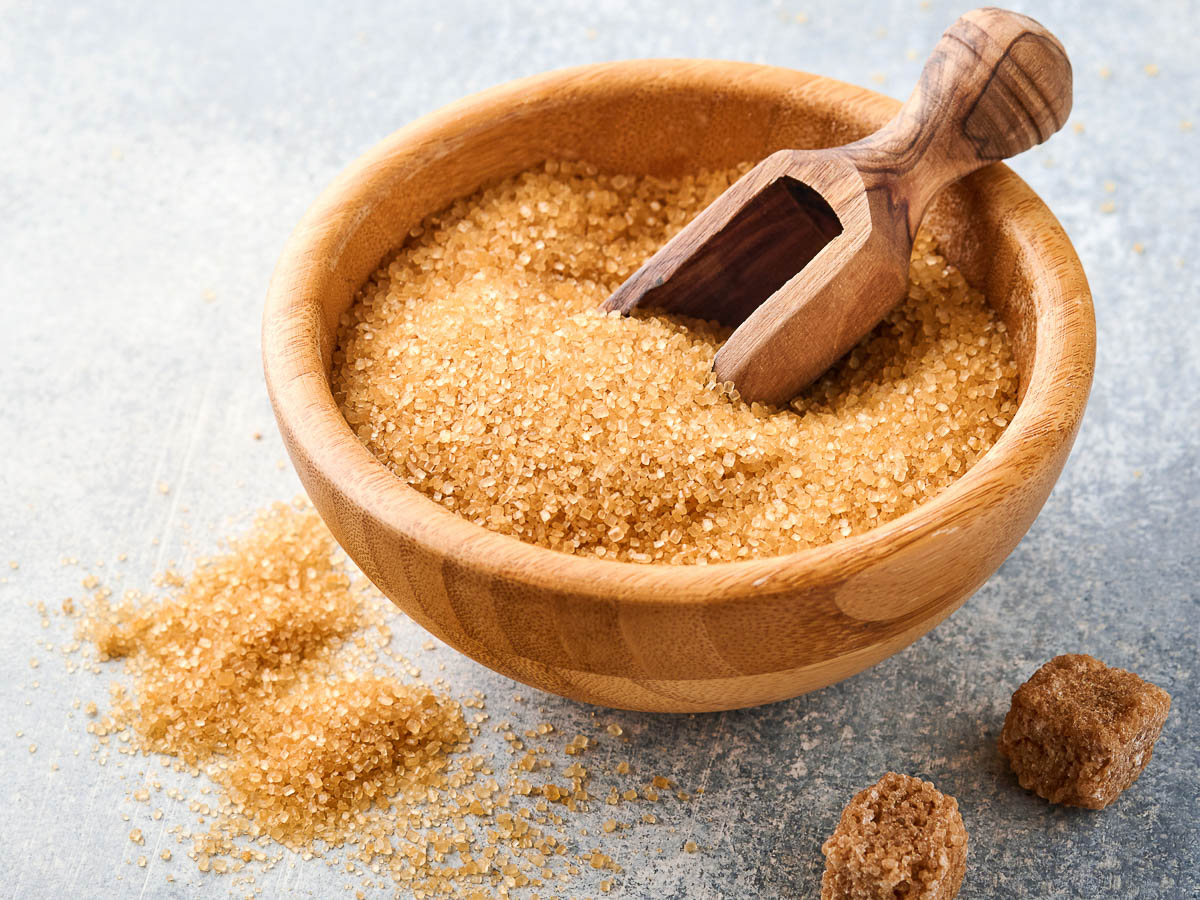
point(476, 365)
point(268, 669)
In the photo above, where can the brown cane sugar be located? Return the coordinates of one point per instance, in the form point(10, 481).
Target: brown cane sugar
point(476, 365)
point(1080, 732)
point(901, 837)
point(268, 668)
point(237, 669)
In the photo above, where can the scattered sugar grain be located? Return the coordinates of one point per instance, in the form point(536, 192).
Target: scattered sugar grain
point(257, 668)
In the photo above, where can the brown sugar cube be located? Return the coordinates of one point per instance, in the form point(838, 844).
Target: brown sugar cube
point(901, 837)
point(1080, 732)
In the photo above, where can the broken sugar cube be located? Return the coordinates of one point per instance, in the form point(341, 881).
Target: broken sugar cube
point(1080, 732)
point(901, 837)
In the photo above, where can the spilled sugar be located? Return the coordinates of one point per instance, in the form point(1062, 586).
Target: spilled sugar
point(268, 668)
point(475, 365)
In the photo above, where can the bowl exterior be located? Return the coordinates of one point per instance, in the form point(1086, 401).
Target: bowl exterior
point(665, 638)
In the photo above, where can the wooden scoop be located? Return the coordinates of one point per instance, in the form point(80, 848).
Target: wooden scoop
point(807, 251)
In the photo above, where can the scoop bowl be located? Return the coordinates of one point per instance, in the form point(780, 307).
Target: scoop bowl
point(670, 638)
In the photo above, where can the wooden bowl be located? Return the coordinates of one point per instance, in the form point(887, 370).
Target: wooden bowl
point(670, 638)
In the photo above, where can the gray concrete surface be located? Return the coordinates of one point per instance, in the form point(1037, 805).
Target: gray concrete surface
point(155, 157)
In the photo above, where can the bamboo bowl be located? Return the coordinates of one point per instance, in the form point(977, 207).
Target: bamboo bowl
point(670, 638)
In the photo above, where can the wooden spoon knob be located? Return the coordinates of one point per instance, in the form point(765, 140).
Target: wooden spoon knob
point(996, 84)
point(1000, 80)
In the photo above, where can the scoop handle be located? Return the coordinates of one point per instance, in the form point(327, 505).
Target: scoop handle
point(996, 84)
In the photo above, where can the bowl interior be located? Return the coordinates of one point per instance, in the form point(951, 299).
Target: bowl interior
point(668, 118)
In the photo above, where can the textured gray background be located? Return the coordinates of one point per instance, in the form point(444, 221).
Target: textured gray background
point(154, 158)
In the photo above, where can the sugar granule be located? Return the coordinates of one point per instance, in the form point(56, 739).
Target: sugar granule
point(476, 365)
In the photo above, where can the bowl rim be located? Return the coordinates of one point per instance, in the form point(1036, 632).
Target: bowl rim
point(1053, 403)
